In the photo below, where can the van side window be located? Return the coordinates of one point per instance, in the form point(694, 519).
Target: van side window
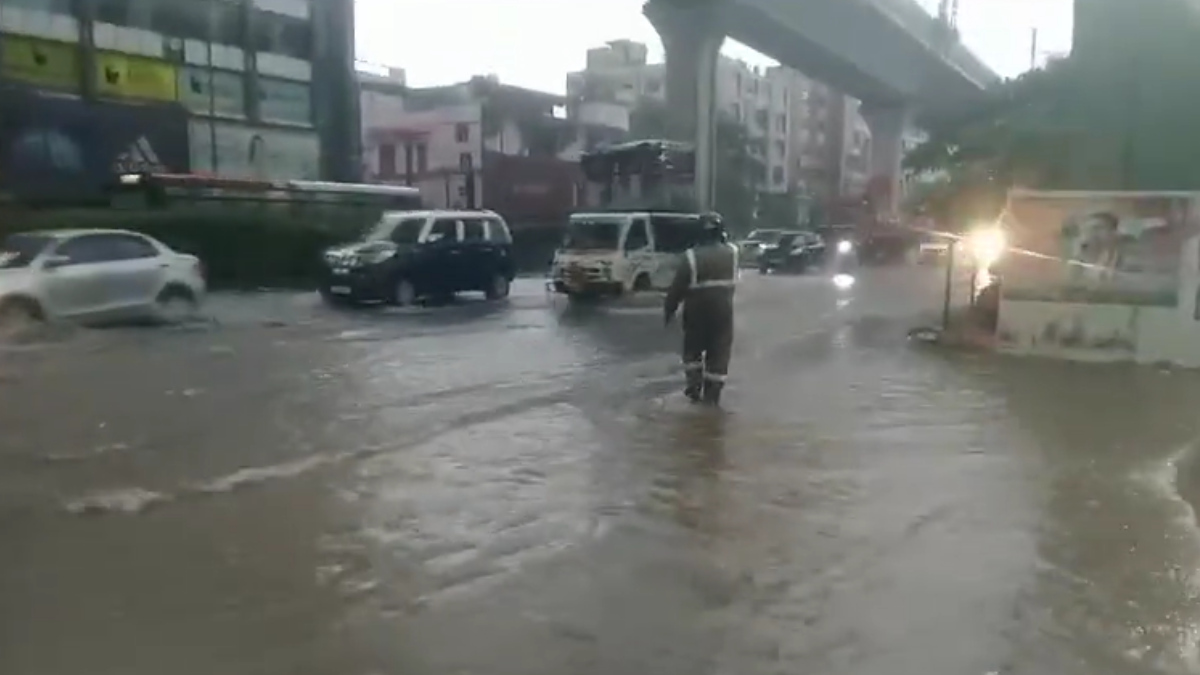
point(637, 238)
point(473, 229)
point(444, 229)
point(674, 234)
point(498, 231)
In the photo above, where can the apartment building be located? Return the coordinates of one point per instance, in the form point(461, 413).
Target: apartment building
point(809, 137)
point(475, 144)
point(223, 86)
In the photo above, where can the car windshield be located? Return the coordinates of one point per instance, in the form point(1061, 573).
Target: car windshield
point(405, 231)
point(765, 236)
point(592, 234)
point(19, 250)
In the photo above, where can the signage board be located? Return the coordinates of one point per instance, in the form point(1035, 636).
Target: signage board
point(125, 76)
point(1097, 247)
point(41, 62)
point(216, 92)
point(55, 147)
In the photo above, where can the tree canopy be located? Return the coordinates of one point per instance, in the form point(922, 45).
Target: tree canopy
point(1118, 114)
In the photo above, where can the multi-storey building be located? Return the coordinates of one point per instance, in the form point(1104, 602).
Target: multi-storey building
point(475, 144)
point(240, 88)
point(808, 137)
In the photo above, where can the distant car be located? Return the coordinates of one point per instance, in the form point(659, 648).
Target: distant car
point(933, 250)
point(95, 276)
point(410, 255)
point(795, 252)
point(753, 245)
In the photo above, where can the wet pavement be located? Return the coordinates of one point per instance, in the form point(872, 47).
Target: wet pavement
point(518, 489)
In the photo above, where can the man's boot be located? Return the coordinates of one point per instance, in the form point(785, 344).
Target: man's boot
point(712, 391)
point(694, 389)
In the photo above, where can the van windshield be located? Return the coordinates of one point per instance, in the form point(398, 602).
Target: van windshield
point(592, 234)
point(765, 236)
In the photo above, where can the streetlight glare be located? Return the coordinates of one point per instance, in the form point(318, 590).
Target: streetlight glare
point(987, 245)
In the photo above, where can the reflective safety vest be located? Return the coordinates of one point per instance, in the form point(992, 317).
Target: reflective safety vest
point(713, 266)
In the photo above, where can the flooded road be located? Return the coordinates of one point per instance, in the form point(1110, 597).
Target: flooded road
point(519, 489)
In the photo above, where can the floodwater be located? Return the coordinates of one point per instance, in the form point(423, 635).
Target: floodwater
point(518, 489)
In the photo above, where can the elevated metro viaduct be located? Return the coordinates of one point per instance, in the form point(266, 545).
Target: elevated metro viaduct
point(902, 63)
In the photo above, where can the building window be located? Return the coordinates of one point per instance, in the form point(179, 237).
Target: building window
point(60, 7)
point(210, 20)
point(777, 175)
point(387, 160)
point(780, 149)
point(284, 101)
point(422, 158)
point(462, 132)
point(466, 163)
point(284, 35)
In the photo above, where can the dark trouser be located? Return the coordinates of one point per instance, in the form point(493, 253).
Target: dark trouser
point(707, 346)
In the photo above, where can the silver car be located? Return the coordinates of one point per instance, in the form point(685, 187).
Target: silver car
point(95, 276)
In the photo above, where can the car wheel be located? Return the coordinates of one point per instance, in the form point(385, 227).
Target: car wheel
point(642, 283)
point(404, 293)
point(175, 305)
point(18, 315)
point(499, 287)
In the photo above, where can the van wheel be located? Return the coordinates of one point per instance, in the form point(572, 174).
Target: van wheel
point(641, 283)
point(18, 315)
point(404, 293)
point(498, 288)
point(176, 304)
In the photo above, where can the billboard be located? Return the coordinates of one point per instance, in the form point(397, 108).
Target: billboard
point(1097, 247)
point(59, 147)
point(41, 62)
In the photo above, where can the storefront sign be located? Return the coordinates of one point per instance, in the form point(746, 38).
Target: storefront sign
point(286, 102)
point(40, 62)
point(217, 92)
point(125, 76)
point(52, 147)
point(253, 152)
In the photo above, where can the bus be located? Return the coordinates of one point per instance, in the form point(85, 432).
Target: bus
point(337, 203)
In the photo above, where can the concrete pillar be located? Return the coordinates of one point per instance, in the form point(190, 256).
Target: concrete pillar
point(692, 38)
point(887, 124)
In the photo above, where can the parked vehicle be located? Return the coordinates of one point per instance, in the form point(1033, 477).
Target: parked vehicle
point(795, 252)
point(411, 255)
point(755, 243)
point(94, 276)
point(611, 253)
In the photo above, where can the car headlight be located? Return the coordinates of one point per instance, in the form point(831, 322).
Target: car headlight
point(844, 246)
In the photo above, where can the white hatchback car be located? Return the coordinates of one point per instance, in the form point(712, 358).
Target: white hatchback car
point(95, 276)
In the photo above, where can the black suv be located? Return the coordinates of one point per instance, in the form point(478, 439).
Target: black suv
point(411, 255)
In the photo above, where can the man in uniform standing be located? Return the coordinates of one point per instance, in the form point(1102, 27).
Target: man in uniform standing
point(704, 284)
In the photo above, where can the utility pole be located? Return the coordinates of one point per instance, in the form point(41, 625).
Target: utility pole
point(1033, 47)
point(212, 94)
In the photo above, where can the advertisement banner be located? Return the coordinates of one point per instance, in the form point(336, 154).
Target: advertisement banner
point(1097, 247)
point(124, 76)
point(259, 153)
point(41, 62)
point(286, 102)
point(55, 147)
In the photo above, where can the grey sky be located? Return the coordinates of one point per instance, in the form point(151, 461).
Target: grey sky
point(534, 43)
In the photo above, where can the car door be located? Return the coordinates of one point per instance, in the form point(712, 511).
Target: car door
point(477, 261)
point(136, 274)
point(500, 247)
point(638, 253)
point(76, 277)
point(440, 264)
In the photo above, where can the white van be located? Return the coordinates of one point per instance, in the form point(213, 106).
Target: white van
point(610, 253)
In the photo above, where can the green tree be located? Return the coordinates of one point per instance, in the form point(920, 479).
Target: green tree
point(739, 169)
point(1117, 114)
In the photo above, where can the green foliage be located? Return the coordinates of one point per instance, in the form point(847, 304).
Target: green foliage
point(738, 169)
point(1118, 114)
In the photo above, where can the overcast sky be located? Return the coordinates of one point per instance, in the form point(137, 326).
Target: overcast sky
point(534, 43)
